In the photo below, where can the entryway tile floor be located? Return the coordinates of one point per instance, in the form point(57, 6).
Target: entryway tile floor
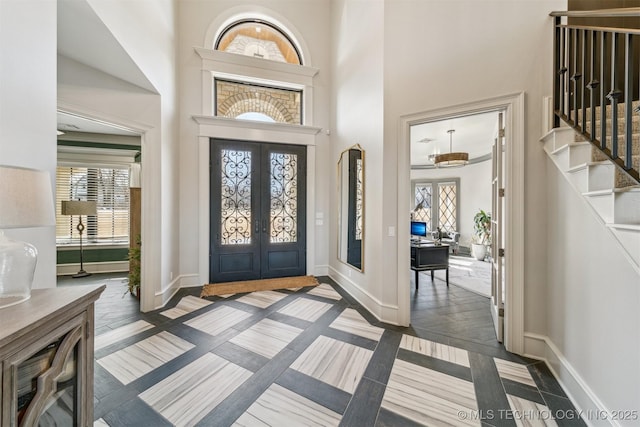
point(312, 357)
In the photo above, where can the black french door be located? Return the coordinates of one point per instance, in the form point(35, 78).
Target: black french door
point(257, 210)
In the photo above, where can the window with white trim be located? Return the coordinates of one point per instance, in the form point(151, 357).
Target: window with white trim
point(109, 187)
point(436, 202)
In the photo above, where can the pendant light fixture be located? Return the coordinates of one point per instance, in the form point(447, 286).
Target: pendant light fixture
point(451, 159)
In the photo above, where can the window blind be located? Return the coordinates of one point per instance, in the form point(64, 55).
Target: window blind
point(109, 187)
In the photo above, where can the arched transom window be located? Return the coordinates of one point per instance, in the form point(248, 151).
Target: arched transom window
point(248, 101)
point(258, 39)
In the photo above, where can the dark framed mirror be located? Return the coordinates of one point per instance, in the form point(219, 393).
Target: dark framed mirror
point(351, 207)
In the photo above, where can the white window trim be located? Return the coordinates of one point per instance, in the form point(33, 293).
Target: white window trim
point(435, 199)
point(229, 66)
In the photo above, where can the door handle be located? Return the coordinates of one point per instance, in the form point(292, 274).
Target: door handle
point(257, 226)
point(264, 225)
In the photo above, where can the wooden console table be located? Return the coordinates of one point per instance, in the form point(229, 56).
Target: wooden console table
point(46, 356)
point(428, 256)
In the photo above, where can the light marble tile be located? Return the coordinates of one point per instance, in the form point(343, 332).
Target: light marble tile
point(437, 350)
point(334, 362)
point(305, 309)
point(278, 406)
point(189, 394)
point(118, 334)
point(262, 299)
point(100, 423)
point(138, 359)
point(186, 305)
point(267, 337)
point(514, 372)
point(326, 291)
point(429, 397)
point(352, 322)
point(530, 414)
point(217, 320)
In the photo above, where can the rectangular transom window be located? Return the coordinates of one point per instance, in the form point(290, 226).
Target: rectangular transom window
point(248, 101)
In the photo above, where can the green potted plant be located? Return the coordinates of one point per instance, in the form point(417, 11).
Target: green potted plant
point(133, 281)
point(482, 234)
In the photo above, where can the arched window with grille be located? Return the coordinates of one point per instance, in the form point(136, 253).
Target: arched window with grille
point(246, 100)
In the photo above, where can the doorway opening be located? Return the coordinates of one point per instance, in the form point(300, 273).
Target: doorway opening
point(449, 200)
point(512, 277)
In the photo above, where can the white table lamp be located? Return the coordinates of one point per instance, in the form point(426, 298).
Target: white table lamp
point(26, 201)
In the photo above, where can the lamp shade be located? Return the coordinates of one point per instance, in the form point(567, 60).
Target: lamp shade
point(451, 159)
point(26, 199)
point(78, 207)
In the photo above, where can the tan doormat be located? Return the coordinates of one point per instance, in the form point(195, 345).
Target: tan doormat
point(257, 285)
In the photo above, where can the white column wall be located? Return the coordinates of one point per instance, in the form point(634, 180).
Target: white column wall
point(146, 30)
point(28, 108)
point(358, 116)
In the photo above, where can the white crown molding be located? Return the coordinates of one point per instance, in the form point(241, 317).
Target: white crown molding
point(210, 56)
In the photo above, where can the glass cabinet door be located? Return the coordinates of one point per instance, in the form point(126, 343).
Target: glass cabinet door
point(47, 383)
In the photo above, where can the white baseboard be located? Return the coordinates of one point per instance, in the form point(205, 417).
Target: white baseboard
point(93, 267)
point(190, 280)
point(584, 399)
point(321, 270)
point(384, 313)
point(162, 297)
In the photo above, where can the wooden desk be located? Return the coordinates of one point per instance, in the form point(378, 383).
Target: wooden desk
point(427, 256)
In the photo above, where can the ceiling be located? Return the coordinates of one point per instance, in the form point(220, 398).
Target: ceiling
point(83, 37)
point(473, 134)
point(72, 123)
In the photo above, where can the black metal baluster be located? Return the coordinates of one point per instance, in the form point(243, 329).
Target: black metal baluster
point(603, 100)
point(556, 72)
point(614, 96)
point(575, 77)
point(583, 104)
point(593, 84)
point(563, 72)
point(628, 99)
point(571, 64)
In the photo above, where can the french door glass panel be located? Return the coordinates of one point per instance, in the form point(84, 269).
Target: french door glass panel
point(258, 210)
point(235, 197)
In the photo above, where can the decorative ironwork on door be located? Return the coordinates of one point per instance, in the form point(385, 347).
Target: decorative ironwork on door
point(258, 210)
point(235, 197)
point(284, 198)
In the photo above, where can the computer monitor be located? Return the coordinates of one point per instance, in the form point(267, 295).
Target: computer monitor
point(418, 229)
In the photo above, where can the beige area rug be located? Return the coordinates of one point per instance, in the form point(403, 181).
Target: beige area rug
point(257, 285)
point(467, 273)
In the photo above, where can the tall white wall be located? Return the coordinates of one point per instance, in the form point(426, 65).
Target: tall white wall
point(474, 192)
point(146, 30)
point(441, 54)
point(28, 108)
point(593, 295)
point(358, 116)
point(308, 19)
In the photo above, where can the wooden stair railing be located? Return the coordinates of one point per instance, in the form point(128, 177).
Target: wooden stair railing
point(596, 88)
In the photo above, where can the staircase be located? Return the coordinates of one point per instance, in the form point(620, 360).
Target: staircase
point(613, 196)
